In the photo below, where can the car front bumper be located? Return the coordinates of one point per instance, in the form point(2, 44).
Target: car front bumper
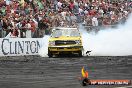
point(65, 48)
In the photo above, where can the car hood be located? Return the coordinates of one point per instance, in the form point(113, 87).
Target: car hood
point(64, 38)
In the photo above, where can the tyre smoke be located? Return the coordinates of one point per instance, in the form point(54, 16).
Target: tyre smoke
point(44, 49)
point(109, 42)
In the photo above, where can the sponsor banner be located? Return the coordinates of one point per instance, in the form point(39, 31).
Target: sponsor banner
point(20, 46)
point(110, 82)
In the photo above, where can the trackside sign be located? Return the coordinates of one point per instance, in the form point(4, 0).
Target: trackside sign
point(19, 46)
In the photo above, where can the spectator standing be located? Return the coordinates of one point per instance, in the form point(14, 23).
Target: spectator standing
point(51, 13)
point(106, 22)
point(63, 13)
point(5, 26)
point(42, 27)
point(28, 31)
point(94, 21)
point(14, 33)
point(0, 28)
point(59, 4)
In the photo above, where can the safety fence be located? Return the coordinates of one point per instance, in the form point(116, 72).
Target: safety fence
point(39, 33)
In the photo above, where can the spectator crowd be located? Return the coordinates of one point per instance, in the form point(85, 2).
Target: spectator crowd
point(35, 18)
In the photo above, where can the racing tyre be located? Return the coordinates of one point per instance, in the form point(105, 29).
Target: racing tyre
point(50, 54)
point(80, 53)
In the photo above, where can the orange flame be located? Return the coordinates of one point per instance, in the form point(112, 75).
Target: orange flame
point(84, 73)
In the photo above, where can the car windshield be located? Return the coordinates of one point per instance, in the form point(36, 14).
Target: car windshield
point(56, 33)
point(65, 32)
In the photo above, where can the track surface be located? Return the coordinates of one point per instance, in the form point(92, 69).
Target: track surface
point(61, 72)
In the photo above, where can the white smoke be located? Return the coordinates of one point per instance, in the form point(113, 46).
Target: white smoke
point(44, 49)
point(110, 42)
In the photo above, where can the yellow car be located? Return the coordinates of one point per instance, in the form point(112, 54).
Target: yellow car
point(65, 41)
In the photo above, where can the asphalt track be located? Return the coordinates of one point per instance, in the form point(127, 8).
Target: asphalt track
point(61, 72)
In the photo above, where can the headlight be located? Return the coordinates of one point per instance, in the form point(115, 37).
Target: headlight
point(78, 42)
point(52, 43)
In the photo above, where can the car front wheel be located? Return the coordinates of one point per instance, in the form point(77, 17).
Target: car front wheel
point(50, 54)
point(80, 53)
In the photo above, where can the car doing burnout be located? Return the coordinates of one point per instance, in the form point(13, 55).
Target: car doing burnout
point(65, 41)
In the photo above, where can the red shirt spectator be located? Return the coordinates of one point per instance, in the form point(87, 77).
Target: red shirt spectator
point(71, 5)
point(32, 26)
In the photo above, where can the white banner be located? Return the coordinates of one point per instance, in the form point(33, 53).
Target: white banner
point(20, 46)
